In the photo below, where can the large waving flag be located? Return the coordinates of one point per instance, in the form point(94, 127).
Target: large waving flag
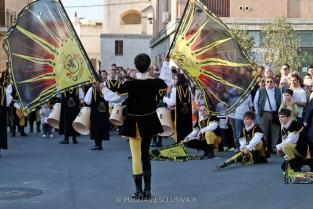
point(209, 54)
point(45, 54)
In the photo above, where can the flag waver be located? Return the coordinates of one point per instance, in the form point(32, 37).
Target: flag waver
point(45, 54)
point(209, 54)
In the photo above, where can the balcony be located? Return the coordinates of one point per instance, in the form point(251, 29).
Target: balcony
point(7, 18)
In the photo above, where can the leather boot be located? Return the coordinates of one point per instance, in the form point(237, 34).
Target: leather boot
point(159, 143)
point(147, 187)
point(294, 165)
point(210, 150)
point(138, 183)
point(23, 132)
point(74, 140)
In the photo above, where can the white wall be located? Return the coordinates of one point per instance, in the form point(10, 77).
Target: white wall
point(132, 45)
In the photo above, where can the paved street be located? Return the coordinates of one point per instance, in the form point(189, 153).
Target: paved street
point(74, 177)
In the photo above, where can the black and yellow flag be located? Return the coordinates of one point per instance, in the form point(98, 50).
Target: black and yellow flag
point(209, 54)
point(45, 54)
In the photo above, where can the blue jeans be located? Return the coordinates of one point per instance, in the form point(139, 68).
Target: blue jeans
point(237, 126)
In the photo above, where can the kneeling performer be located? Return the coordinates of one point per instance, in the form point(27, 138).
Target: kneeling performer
point(205, 133)
point(294, 142)
point(252, 146)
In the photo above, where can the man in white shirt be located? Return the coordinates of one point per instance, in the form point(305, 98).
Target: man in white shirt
point(266, 102)
point(299, 96)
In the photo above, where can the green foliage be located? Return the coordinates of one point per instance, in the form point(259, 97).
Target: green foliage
point(243, 38)
point(281, 44)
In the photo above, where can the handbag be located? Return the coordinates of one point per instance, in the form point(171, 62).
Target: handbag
point(275, 118)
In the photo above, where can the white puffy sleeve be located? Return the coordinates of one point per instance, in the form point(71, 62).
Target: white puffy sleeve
point(88, 96)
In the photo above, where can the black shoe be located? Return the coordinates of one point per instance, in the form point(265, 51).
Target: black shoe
point(138, 195)
point(295, 165)
point(75, 141)
point(64, 142)
point(96, 148)
point(13, 134)
point(147, 187)
point(23, 134)
point(209, 152)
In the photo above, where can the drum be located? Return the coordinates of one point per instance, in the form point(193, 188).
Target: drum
point(54, 117)
point(164, 115)
point(81, 123)
point(116, 117)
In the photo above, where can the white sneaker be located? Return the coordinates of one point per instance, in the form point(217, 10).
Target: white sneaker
point(225, 149)
point(51, 136)
point(44, 136)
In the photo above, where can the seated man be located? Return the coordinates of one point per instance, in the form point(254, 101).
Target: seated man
point(252, 146)
point(294, 142)
point(205, 133)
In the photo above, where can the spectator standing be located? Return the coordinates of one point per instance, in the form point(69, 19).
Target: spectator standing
point(266, 103)
point(299, 96)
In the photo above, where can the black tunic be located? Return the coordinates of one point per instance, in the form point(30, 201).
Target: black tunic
point(250, 134)
point(141, 107)
point(205, 122)
point(3, 121)
point(183, 112)
point(259, 156)
point(99, 117)
point(113, 85)
point(302, 142)
point(70, 106)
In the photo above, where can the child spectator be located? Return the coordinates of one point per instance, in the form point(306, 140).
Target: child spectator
point(44, 114)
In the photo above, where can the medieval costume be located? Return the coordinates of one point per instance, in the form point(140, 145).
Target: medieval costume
point(204, 135)
point(18, 119)
point(70, 107)
point(180, 103)
point(141, 122)
point(157, 140)
point(99, 116)
point(295, 143)
point(113, 85)
point(5, 100)
point(34, 117)
point(252, 147)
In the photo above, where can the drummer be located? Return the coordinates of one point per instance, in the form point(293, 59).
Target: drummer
point(5, 101)
point(180, 104)
point(99, 115)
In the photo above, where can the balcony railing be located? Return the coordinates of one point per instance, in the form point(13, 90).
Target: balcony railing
point(7, 18)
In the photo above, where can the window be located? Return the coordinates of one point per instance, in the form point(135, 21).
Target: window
point(2, 13)
point(131, 17)
point(118, 48)
point(219, 7)
point(306, 38)
point(257, 38)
